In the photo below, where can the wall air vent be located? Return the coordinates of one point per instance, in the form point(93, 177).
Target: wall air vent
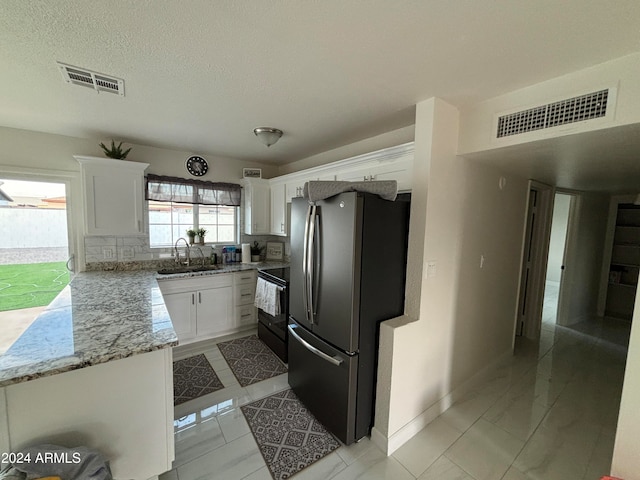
point(572, 110)
point(87, 78)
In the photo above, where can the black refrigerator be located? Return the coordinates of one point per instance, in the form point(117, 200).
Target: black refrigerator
point(348, 268)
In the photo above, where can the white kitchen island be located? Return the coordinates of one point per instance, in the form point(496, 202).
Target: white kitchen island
point(95, 369)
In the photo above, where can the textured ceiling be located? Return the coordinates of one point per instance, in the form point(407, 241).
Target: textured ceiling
point(201, 74)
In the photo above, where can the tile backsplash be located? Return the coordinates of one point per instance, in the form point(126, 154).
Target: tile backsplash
point(110, 249)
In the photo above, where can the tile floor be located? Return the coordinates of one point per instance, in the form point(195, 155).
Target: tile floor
point(548, 413)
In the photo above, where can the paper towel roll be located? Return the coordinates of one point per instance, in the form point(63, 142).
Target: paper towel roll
point(246, 253)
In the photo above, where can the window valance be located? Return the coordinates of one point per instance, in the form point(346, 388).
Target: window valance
point(183, 190)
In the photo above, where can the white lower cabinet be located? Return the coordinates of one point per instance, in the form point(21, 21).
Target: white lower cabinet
point(182, 309)
point(215, 311)
point(210, 305)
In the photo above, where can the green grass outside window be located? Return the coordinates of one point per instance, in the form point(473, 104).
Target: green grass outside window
point(31, 285)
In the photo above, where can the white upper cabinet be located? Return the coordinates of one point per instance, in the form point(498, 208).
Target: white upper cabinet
point(394, 163)
point(257, 207)
point(278, 209)
point(113, 196)
point(399, 169)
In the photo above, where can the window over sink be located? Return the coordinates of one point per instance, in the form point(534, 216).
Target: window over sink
point(176, 205)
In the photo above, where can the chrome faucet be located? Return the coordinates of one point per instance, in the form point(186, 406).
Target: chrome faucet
point(188, 260)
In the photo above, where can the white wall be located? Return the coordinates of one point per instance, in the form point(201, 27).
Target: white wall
point(625, 452)
point(385, 140)
point(30, 227)
point(23, 148)
point(558, 235)
point(465, 314)
point(26, 153)
point(478, 121)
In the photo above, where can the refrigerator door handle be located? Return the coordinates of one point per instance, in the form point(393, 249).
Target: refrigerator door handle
point(305, 254)
point(334, 360)
point(310, 262)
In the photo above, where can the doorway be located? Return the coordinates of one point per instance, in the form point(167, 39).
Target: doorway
point(34, 252)
point(563, 213)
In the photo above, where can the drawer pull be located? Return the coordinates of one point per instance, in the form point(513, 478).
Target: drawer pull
point(246, 294)
point(247, 315)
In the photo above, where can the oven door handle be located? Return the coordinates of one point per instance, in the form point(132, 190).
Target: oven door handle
point(337, 361)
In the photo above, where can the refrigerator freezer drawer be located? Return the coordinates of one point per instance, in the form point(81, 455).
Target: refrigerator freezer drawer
point(325, 380)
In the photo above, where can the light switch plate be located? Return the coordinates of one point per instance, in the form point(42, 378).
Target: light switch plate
point(108, 252)
point(127, 252)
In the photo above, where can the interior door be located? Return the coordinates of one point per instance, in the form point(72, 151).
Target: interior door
point(534, 260)
point(527, 262)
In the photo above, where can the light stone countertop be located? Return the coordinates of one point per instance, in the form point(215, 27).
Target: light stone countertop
point(97, 318)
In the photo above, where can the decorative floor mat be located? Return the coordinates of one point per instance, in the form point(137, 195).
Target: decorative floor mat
point(250, 360)
point(289, 437)
point(193, 377)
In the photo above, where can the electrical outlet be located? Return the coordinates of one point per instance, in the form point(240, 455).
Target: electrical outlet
point(108, 253)
point(127, 252)
point(431, 269)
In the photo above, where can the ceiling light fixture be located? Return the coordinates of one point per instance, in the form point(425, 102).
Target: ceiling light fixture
point(268, 135)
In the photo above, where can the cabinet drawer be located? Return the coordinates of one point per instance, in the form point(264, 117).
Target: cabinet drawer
point(191, 284)
point(244, 294)
point(246, 315)
point(245, 277)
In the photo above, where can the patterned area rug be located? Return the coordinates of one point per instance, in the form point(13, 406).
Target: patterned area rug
point(251, 360)
point(289, 437)
point(193, 377)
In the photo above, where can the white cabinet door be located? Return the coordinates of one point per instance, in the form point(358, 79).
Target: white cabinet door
point(182, 310)
point(114, 196)
point(362, 174)
point(294, 189)
point(400, 170)
point(215, 311)
point(257, 207)
point(278, 210)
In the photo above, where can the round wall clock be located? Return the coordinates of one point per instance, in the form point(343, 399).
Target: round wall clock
point(196, 166)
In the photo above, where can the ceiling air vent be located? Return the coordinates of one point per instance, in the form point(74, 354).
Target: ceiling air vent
point(576, 109)
point(87, 78)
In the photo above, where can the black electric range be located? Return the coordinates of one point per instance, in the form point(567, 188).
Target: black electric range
point(272, 329)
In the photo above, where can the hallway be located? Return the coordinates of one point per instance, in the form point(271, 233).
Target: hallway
point(549, 413)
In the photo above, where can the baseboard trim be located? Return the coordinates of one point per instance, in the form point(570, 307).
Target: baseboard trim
point(405, 433)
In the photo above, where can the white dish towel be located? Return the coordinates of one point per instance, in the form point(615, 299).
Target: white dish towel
point(267, 297)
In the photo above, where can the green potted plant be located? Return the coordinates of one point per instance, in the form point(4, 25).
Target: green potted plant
point(191, 233)
point(115, 152)
point(256, 250)
point(201, 233)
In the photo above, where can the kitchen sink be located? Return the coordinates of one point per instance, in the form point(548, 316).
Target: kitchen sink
point(199, 268)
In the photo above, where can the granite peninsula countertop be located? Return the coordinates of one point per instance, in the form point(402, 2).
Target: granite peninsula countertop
point(99, 317)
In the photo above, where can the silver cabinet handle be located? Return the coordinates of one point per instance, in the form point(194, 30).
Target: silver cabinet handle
point(335, 360)
point(193, 299)
point(199, 297)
